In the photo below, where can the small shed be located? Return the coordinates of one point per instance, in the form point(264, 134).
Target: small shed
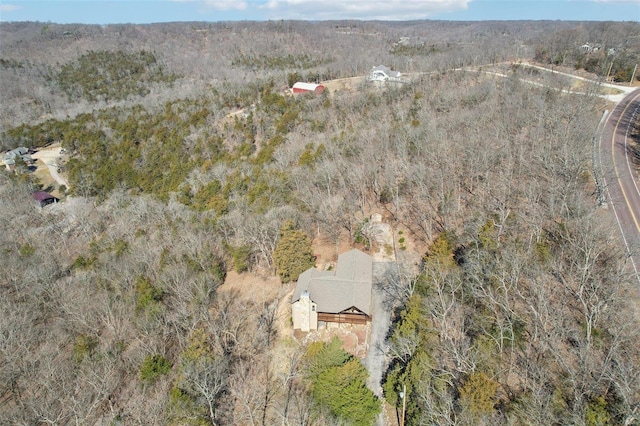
point(44, 198)
point(301, 87)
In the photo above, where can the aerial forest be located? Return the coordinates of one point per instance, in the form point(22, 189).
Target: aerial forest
point(157, 290)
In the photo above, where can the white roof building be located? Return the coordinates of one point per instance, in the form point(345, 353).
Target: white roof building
point(382, 73)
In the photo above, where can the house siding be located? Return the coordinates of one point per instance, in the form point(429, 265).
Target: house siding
point(348, 318)
point(304, 315)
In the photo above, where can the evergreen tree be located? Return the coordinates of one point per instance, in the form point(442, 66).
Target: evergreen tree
point(293, 254)
point(338, 383)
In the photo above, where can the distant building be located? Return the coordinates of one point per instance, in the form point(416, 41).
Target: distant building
point(382, 73)
point(590, 48)
point(586, 48)
point(301, 87)
point(339, 296)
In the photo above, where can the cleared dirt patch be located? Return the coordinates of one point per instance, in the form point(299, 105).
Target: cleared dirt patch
point(343, 84)
point(47, 159)
point(257, 287)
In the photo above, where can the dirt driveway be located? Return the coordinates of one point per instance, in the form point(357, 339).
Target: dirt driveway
point(343, 84)
point(47, 163)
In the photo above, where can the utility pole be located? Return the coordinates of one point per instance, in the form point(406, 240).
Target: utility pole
point(403, 396)
point(633, 74)
point(609, 72)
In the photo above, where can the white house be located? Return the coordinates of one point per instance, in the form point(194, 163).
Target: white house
point(382, 73)
point(586, 48)
point(9, 157)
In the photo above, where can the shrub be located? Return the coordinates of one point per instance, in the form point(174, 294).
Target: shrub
point(148, 297)
point(596, 413)
point(153, 367)
point(241, 257)
point(478, 394)
point(82, 262)
point(120, 247)
point(84, 347)
point(27, 250)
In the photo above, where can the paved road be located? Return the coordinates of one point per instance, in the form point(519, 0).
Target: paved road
point(621, 91)
point(375, 361)
point(619, 179)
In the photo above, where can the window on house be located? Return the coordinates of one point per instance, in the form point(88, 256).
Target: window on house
point(313, 308)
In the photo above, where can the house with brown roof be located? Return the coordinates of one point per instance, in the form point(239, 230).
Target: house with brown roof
point(342, 295)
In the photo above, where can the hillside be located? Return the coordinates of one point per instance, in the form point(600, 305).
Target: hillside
point(188, 160)
point(197, 55)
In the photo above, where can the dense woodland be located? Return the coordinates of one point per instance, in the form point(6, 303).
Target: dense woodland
point(187, 160)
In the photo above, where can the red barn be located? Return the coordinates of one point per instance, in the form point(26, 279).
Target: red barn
point(301, 87)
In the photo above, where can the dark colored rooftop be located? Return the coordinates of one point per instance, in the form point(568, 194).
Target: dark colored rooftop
point(42, 196)
point(335, 291)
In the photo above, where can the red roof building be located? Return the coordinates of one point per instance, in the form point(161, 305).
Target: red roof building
point(301, 87)
point(44, 198)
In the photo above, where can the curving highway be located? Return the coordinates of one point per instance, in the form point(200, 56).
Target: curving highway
point(616, 156)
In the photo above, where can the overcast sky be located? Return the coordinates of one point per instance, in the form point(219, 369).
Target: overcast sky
point(146, 11)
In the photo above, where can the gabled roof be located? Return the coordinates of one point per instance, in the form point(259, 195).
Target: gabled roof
point(346, 287)
point(386, 70)
point(355, 265)
point(9, 157)
point(306, 86)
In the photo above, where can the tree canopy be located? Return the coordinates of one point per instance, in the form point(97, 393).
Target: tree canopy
point(293, 253)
